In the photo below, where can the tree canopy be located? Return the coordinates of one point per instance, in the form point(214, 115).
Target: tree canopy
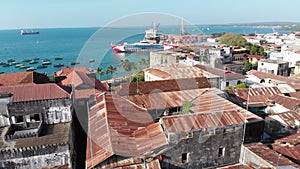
point(232, 39)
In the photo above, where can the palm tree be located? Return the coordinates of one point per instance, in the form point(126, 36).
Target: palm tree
point(111, 70)
point(100, 72)
point(143, 62)
point(126, 65)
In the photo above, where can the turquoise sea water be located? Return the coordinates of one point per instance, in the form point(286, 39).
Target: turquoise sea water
point(83, 44)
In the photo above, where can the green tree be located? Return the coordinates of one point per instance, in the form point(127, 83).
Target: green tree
point(111, 70)
point(241, 85)
point(100, 72)
point(126, 65)
point(143, 62)
point(233, 39)
point(247, 66)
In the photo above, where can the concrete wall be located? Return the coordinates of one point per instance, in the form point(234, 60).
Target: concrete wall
point(42, 157)
point(203, 148)
point(248, 157)
point(162, 58)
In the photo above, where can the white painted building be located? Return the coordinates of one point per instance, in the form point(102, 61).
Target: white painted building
point(276, 67)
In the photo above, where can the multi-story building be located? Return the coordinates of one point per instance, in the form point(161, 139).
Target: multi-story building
point(35, 126)
point(276, 67)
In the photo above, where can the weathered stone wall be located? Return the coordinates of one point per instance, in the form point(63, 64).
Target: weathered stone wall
point(53, 111)
point(202, 148)
point(36, 157)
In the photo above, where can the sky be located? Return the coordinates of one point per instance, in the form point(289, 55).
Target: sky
point(17, 14)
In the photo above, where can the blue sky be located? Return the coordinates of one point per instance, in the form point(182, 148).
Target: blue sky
point(86, 13)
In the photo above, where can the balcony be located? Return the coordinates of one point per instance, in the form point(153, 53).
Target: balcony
point(22, 130)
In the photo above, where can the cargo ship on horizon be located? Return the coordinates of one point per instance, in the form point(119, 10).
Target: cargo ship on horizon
point(26, 32)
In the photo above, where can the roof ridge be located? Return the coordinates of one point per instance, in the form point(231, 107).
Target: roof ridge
point(107, 124)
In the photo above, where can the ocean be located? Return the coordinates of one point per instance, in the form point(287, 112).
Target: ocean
point(85, 44)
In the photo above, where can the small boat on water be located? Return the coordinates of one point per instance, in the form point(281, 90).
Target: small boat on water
point(91, 60)
point(11, 60)
point(1, 72)
point(33, 62)
point(14, 63)
point(6, 65)
point(30, 69)
point(75, 63)
point(24, 67)
point(18, 65)
point(2, 63)
point(36, 59)
point(42, 66)
point(46, 63)
point(58, 65)
point(46, 60)
point(58, 58)
point(26, 60)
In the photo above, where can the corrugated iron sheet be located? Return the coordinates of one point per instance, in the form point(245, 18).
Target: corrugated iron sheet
point(258, 97)
point(178, 71)
point(290, 118)
point(287, 102)
point(117, 127)
point(224, 74)
point(269, 155)
point(289, 146)
point(162, 86)
point(198, 121)
point(33, 92)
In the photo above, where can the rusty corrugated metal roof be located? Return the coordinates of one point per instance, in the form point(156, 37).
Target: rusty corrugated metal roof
point(258, 97)
point(192, 122)
point(203, 100)
point(293, 139)
point(295, 94)
point(178, 71)
point(162, 86)
point(237, 166)
point(289, 146)
point(287, 102)
point(120, 128)
point(224, 74)
point(33, 92)
point(290, 118)
point(269, 155)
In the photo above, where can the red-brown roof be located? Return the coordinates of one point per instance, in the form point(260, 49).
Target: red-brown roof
point(33, 92)
point(162, 86)
point(120, 128)
point(23, 78)
point(257, 97)
point(66, 71)
point(290, 118)
point(258, 57)
point(292, 140)
point(198, 121)
point(227, 75)
point(269, 155)
point(287, 102)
